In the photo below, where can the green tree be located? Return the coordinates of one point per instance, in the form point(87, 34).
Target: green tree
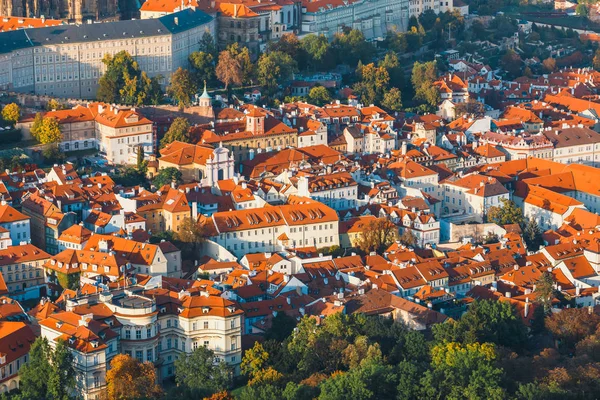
point(581, 10)
point(505, 214)
point(317, 48)
point(199, 375)
point(462, 371)
point(485, 321)
point(61, 380)
point(373, 83)
point(11, 113)
point(207, 44)
point(178, 131)
point(124, 81)
point(155, 93)
point(182, 88)
point(274, 69)
point(392, 64)
point(203, 66)
point(165, 176)
point(319, 96)
point(408, 381)
point(345, 385)
point(141, 163)
point(422, 78)
point(392, 100)
point(35, 373)
point(532, 234)
point(350, 47)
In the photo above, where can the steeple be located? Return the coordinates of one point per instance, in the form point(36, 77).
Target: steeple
point(205, 102)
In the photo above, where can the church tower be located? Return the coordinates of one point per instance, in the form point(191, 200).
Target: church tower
point(255, 121)
point(205, 104)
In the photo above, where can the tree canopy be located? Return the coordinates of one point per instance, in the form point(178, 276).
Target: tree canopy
point(165, 176)
point(46, 130)
point(505, 214)
point(198, 375)
point(178, 131)
point(182, 88)
point(377, 235)
point(125, 83)
point(11, 113)
point(129, 379)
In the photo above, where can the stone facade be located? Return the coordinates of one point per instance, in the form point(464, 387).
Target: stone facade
point(69, 10)
point(67, 61)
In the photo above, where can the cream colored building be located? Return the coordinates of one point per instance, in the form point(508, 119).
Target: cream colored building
point(66, 61)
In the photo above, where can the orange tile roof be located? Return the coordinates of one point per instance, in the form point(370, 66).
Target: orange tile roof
point(180, 153)
point(9, 214)
point(167, 6)
point(236, 11)
point(13, 23)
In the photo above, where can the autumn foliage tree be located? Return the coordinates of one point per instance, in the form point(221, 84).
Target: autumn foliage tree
point(129, 378)
point(229, 69)
point(11, 113)
point(377, 235)
point(572, 325)
point(46, 130)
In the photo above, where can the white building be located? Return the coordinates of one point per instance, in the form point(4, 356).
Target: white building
point(338, 191)
point(16, 223)
point(473, 195)
point(66, 61)
point(300, 223)
point(373, 18)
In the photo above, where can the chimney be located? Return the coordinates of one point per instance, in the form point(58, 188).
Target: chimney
point(176, 20)
point(508, 295)
point(526, 307)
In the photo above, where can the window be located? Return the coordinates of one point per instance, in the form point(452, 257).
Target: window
point(205, 324)
point(206, 343)
point(148, 332)
point(127, 334)
point(168, 343)
point(139, 354)
point(138, 334)
point(149, 355)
